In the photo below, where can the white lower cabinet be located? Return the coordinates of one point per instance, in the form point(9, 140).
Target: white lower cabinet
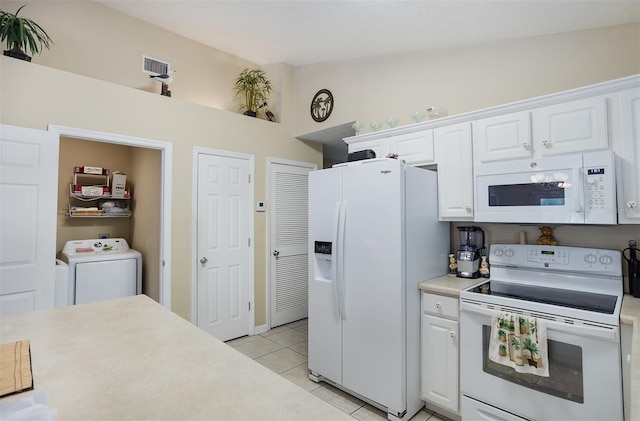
point(439, 353)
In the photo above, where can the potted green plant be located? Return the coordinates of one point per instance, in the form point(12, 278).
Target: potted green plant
point(22, 34)
point(255, 86)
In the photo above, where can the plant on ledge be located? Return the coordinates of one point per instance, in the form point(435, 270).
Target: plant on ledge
point(255, 86)
point(22, 34)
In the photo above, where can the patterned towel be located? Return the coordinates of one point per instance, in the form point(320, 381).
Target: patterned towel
point(520, 342)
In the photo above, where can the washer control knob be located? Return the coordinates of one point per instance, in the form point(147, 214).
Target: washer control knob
point(590, 258)
point(499, 252)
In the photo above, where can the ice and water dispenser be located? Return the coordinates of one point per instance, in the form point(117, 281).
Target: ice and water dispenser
point(323, 263)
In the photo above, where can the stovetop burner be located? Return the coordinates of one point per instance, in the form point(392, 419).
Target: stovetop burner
point(600, 303)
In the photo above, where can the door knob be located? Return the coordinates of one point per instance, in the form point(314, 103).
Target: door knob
point(203, 260)
point(276, 253)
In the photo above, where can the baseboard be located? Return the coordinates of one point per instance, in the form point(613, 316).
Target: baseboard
point(260, 329)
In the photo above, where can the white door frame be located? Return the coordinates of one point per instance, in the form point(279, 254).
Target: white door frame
point(166, 150)
point(271, 160)
point(194, 230)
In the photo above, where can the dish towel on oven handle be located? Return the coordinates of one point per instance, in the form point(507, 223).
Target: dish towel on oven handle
point(520, 342)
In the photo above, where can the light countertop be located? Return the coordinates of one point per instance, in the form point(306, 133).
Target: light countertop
point(448, 285)
point(133, 359)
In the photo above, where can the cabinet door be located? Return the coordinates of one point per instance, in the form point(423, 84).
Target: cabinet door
point(502, 137)
point(413, 148)
point(627, 147)
point(574, 126)
point(378, 146)
point(453, 150)
point(440, 362)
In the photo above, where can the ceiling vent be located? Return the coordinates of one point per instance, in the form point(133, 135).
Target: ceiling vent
point(153, 66)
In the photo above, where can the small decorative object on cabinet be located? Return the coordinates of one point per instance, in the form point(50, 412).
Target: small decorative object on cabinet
point(392, 122)
point(321, 105)
point(22, 34)
point(375, 125)
point(357, 127)
point(96, 199)
point(417, 116)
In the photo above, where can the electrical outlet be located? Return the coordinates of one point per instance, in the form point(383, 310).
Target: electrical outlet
point(101, 236)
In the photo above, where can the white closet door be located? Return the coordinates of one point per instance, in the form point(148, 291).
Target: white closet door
point(28, 201)
point(225, 255)
point(289, 263)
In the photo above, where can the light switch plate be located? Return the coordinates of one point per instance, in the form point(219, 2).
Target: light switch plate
point(260, 207)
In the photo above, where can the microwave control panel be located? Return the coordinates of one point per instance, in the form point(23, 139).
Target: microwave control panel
point(597, 190)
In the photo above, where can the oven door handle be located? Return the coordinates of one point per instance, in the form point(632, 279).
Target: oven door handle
point(611, 333)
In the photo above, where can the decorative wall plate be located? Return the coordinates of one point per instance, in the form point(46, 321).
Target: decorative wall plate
point(321, 105)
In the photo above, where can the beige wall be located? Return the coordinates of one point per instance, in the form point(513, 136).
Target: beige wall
point(94, 40)
point(74, 152)
point(465, 79)
point(34, 96)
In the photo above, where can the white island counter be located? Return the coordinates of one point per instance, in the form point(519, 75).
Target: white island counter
point(132, 359)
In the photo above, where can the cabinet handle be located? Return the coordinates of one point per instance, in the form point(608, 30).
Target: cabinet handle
point(525, 145)
point(452, 334)
point(631, 204)
point(546, 144)
point(467, 208)
point(438, 305)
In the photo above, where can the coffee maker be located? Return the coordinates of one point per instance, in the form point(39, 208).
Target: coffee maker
point(470, 252)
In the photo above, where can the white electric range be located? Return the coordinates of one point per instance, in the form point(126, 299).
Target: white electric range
point(578, 292)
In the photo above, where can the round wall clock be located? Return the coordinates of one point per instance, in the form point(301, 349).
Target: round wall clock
point(321, 105)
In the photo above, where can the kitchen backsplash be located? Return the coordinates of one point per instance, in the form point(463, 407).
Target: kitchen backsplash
point(614, 237)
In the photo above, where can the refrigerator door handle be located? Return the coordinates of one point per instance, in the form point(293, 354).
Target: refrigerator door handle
point(341, 282)
point(334, 257)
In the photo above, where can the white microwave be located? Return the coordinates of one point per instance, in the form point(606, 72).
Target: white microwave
point(567, 189)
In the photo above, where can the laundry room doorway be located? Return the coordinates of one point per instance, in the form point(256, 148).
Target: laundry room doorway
point(147, 166)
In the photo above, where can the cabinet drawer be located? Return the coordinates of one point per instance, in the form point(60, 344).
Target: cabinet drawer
point(440, 305)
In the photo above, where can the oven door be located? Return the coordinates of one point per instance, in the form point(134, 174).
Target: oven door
point(584, 380)
point(544, 191)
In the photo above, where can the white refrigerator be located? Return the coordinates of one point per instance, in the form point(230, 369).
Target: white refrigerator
point(373, 236)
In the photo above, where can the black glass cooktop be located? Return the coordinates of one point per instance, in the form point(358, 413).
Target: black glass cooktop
point(600, 303)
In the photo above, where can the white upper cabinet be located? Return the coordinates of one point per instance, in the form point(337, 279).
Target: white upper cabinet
point(626, 134)
point(414, 148)
point(503, 137)
point(568, 127)
point(453, 152)
point(575, 126)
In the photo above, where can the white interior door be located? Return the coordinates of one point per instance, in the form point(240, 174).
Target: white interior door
point(289, 259)
point(225, 253)
point(28, 201)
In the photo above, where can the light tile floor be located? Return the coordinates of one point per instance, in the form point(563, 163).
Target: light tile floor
point(284, 351)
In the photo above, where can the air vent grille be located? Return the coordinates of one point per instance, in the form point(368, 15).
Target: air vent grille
point(154, 66)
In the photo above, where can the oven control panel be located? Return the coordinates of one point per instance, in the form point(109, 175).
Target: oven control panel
point(579, 259)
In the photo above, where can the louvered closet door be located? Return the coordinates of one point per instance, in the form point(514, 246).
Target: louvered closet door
point(288, 210)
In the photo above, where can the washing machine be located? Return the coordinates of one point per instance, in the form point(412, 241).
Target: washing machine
point(101, 269)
